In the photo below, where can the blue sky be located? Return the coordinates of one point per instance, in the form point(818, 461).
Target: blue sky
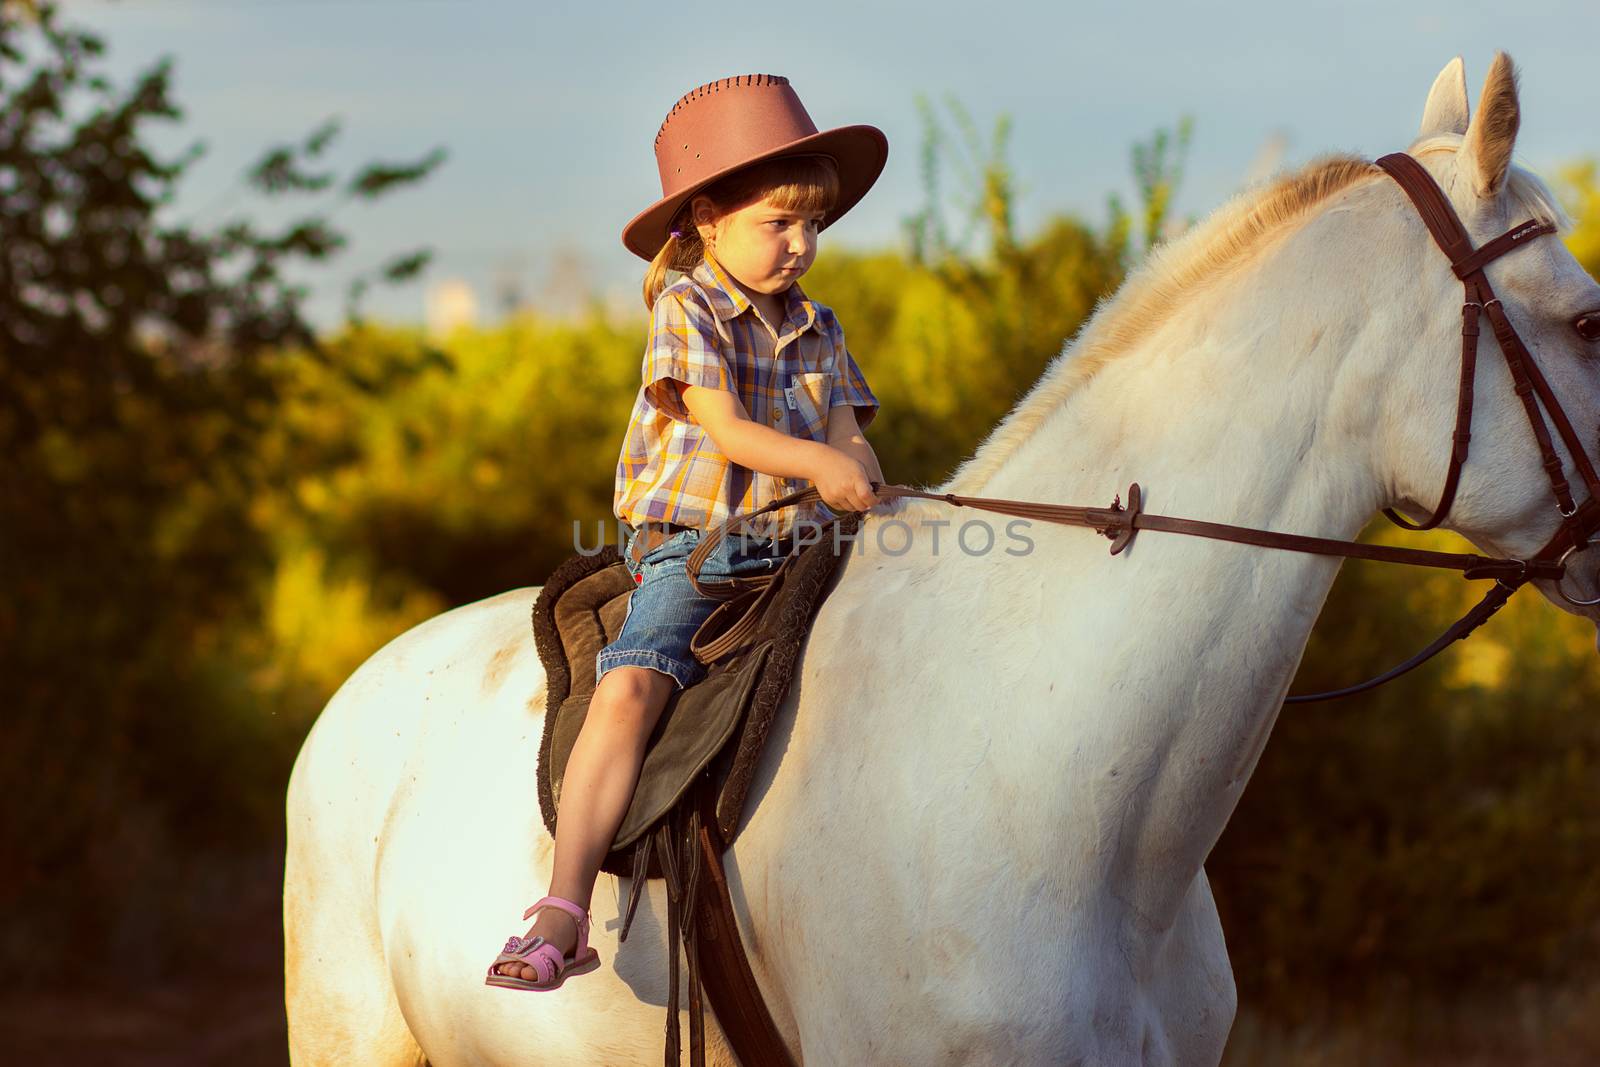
point(549, 110)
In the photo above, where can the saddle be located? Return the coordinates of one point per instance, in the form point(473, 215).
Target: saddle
point(699, 760)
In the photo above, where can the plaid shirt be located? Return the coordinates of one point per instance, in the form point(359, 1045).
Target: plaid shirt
point(704, 331)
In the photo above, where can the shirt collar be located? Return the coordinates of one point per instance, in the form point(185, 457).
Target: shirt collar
point(728, 300)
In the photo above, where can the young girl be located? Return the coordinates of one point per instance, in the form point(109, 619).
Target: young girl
point(748, 392)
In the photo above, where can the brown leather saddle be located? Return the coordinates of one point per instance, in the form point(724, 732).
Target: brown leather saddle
point(687, 806)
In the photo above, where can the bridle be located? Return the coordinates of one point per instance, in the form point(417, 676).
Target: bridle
point(1579, 522)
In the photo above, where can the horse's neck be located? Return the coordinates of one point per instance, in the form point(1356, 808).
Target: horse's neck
point(1160, 673)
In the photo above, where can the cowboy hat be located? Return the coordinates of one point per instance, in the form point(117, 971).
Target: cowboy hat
point(731, 123)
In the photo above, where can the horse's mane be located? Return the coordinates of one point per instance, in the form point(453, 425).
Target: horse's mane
point(1179, 269)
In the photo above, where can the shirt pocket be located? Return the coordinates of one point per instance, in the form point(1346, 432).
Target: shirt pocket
point(809, 408)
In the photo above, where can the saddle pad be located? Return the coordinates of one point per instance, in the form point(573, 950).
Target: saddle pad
point(718, 724)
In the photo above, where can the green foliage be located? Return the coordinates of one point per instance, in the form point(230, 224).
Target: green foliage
point(463, 478)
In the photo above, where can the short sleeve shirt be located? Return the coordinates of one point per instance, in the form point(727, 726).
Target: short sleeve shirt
point(704, 331)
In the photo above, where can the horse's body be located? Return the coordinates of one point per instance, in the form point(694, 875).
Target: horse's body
point(979, 830)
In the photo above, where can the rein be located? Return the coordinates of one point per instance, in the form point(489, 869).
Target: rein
point(1120, 524)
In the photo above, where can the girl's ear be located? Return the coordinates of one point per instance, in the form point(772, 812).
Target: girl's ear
point(705, 218)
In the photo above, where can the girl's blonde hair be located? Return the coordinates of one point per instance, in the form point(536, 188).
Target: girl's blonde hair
point(792, 183)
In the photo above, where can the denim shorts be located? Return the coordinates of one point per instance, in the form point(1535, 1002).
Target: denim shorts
point(664, 611)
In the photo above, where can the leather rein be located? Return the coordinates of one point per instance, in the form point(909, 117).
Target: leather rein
point(1120, 523)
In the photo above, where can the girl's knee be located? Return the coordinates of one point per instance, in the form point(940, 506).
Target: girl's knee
point(633, 695)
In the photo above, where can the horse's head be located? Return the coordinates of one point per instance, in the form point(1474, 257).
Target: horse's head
point(1506, 503)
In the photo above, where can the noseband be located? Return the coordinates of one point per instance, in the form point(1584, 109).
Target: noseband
point(1579, 523)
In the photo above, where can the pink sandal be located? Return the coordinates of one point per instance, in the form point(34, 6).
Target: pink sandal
point(545, 959)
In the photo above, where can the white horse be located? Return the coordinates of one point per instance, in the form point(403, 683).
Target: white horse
point(979, 828)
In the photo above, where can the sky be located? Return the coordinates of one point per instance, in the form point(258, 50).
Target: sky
point(548, 110)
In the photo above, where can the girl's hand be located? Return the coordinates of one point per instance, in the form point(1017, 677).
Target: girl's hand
point(841, 481)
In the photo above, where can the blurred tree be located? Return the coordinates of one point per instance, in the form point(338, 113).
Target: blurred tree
point(461, 483)
point(136, 375)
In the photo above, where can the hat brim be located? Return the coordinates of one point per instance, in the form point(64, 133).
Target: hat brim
point(859, 151)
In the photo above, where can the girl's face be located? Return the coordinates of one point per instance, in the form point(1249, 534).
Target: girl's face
point(765, 248)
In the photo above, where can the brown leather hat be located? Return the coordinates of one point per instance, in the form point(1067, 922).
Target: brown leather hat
point(732, 122)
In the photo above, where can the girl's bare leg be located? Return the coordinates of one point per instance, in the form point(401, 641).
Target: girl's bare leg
point(595, 793)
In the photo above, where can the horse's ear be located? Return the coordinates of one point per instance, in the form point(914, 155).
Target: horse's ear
point(1446, 109)
point(1493, 132)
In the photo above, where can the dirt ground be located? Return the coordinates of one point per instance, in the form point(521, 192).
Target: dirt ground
point(239, 1023)
point(242, 1025)
point(227, 1011)
point(238, 1020)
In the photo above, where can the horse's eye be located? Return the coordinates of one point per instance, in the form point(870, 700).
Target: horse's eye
point(1588, 326)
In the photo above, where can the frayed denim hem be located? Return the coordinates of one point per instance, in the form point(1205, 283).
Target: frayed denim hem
point(644, 657)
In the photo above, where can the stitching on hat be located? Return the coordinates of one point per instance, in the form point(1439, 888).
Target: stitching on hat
point(714, 87)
